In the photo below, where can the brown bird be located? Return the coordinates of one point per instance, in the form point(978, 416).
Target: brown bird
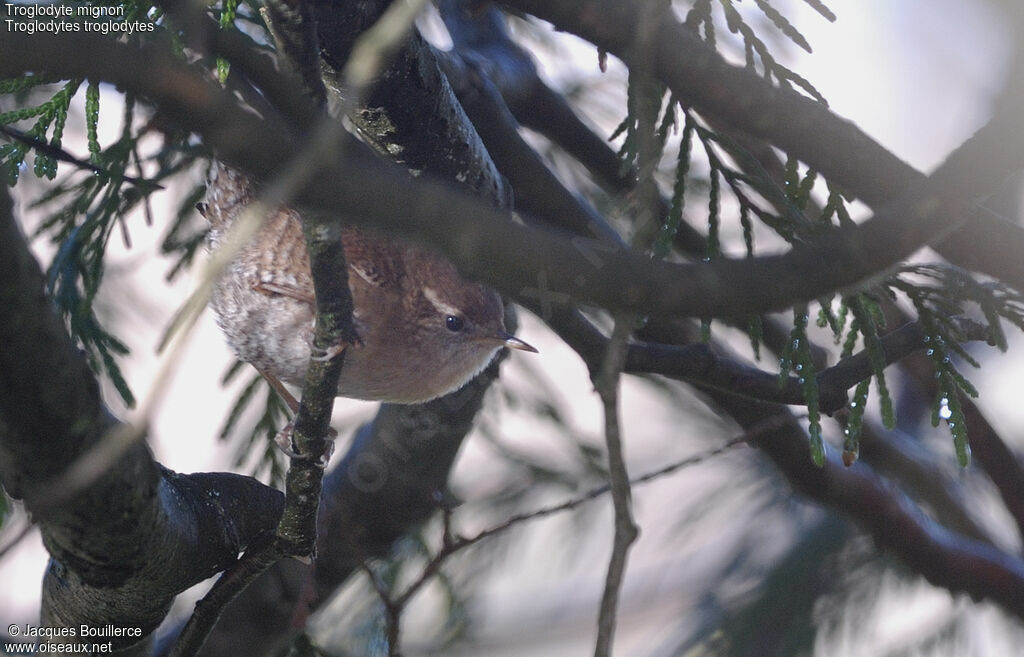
point(425, 331)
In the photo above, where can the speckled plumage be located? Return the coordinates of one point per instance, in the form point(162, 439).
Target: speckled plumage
point(403, 298)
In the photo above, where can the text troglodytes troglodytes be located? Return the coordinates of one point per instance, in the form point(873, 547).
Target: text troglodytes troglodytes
point(424, 330)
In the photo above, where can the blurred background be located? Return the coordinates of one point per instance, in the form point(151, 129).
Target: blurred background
point(729, 560)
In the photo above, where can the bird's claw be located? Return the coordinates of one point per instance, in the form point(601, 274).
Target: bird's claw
point(325, 456)
point(284, 442)
point(329, 353)
point(324, 355)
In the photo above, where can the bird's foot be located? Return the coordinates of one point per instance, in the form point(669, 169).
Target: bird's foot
point(285, 441)
point(330, 353)
point(335, 350)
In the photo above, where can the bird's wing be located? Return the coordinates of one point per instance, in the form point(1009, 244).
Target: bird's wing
point(373, 260)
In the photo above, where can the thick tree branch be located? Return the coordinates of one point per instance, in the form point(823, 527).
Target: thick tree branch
point(700, 364)
point(389, 481)
point(486, 63)
point(484, 243)
point(924, 475)
point(133, 538)
point(827, 143)
point(538, 193)
point(294, 31)
point(410, 108)
point(899, 457)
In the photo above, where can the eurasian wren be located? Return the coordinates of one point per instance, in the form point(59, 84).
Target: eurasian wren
point(424, 330)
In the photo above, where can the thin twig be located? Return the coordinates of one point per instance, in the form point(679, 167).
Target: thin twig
point(394, 605)
point(755, 432)
point(626, 531)
point(224, 590)
point(58, 153)
point(297, 525)
point(648, 225)
point(296, 531)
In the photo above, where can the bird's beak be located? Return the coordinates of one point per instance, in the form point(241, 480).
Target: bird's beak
point(512, 342)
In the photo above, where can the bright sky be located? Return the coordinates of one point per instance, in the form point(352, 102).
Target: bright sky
point(909, 73)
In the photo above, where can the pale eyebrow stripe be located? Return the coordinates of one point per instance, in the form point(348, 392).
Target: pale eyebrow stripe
point(443, 307)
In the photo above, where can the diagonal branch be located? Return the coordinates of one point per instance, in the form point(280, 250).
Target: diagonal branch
point(796, 124)
point(409, 94)
point(486, 62)
point(700, 364)
point(943, 557)
point(538, 192)
point(484, 243)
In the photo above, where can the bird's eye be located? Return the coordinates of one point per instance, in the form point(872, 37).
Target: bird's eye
point(453, 323)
